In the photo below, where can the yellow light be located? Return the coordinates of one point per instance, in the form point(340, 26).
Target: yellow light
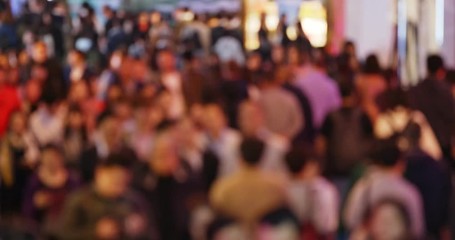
point(272, 19)
point(253, 23)
point(313, 17)
point(291, 32)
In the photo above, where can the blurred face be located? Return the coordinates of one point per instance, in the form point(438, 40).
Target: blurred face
point(111, 131)
point(79, 92)
point(75, 119)
point(215, 120)
point(40, 53)
point(32, 91)
point(123, 110)
point(18, 123)
point(293, 56)
point(155, 17)
point(254, 62)
point(112, 181)
point(166, 61)
point(73, 58)
point(250, 119)
point(278, 54)
point(51, 160)
point(165, 160)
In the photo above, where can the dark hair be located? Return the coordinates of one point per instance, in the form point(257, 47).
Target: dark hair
point(120, 159)
point(451, 76)
point(434, 64)
point(53, 147)
point(252, 150)
point(391, 99)
point(346, 88)
point(296, 160)
point(371, 65)
point(386, 152)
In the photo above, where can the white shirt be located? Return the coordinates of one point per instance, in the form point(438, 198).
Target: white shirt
point(227, 149)
point(47, 128)
point(315, 202)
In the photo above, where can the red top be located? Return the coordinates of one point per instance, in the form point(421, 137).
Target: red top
point(9, 102)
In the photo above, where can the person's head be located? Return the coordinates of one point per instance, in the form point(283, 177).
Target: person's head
point(302, 163)
point(252, 150)
point(349, 48)
point(389, 220)
point(254, 61)
point(110, 130)
point(52, 158)
point(347, 90)
point(108, 12)
point(165, 160)
point(76, 57)
point(435, 67)
point(112, 176)
point(32, 91)
point(123, 109)
point(392, 99)
point(79, 91)
point(278, 54)
point(251, 118)
point(75, 117)
point(18, 122)
point(166, 60)
point(214, 120)
point(371, 65)
point(386, 153)
point(39, 53)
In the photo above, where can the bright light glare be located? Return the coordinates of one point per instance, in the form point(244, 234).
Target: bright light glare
point(316, 30)
point(291, 32)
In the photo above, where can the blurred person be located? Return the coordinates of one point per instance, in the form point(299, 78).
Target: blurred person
point(110, 75)
point(107, 140)
point(281, 109)
point(395, 118)
point(221, 139)
point(370, 84)
point(76, 137)
point(47, 190)
point(31, 95)
point(47, 122)
point(344, 141)
point(283, 75)
point(195, 84)
point(385, 181)
point(433, 98)
point(175, 183)
point(313, 199)
point(248, 194)
point(320, 89)
point(433, 180)
point(252, 125)
point(233, 90)
point(10, 101)
point(141, 26)
point(123, 111)
point(19, 154)
point(77, 68)
point(387, 220)
point(349, 49)
point(109, 15)
point(51, 71)
point(107, 209)
point(171, 80)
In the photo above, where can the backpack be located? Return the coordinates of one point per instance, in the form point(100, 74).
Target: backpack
point(348, 145)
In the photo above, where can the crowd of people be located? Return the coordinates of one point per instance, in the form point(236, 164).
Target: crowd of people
point(153, 127)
